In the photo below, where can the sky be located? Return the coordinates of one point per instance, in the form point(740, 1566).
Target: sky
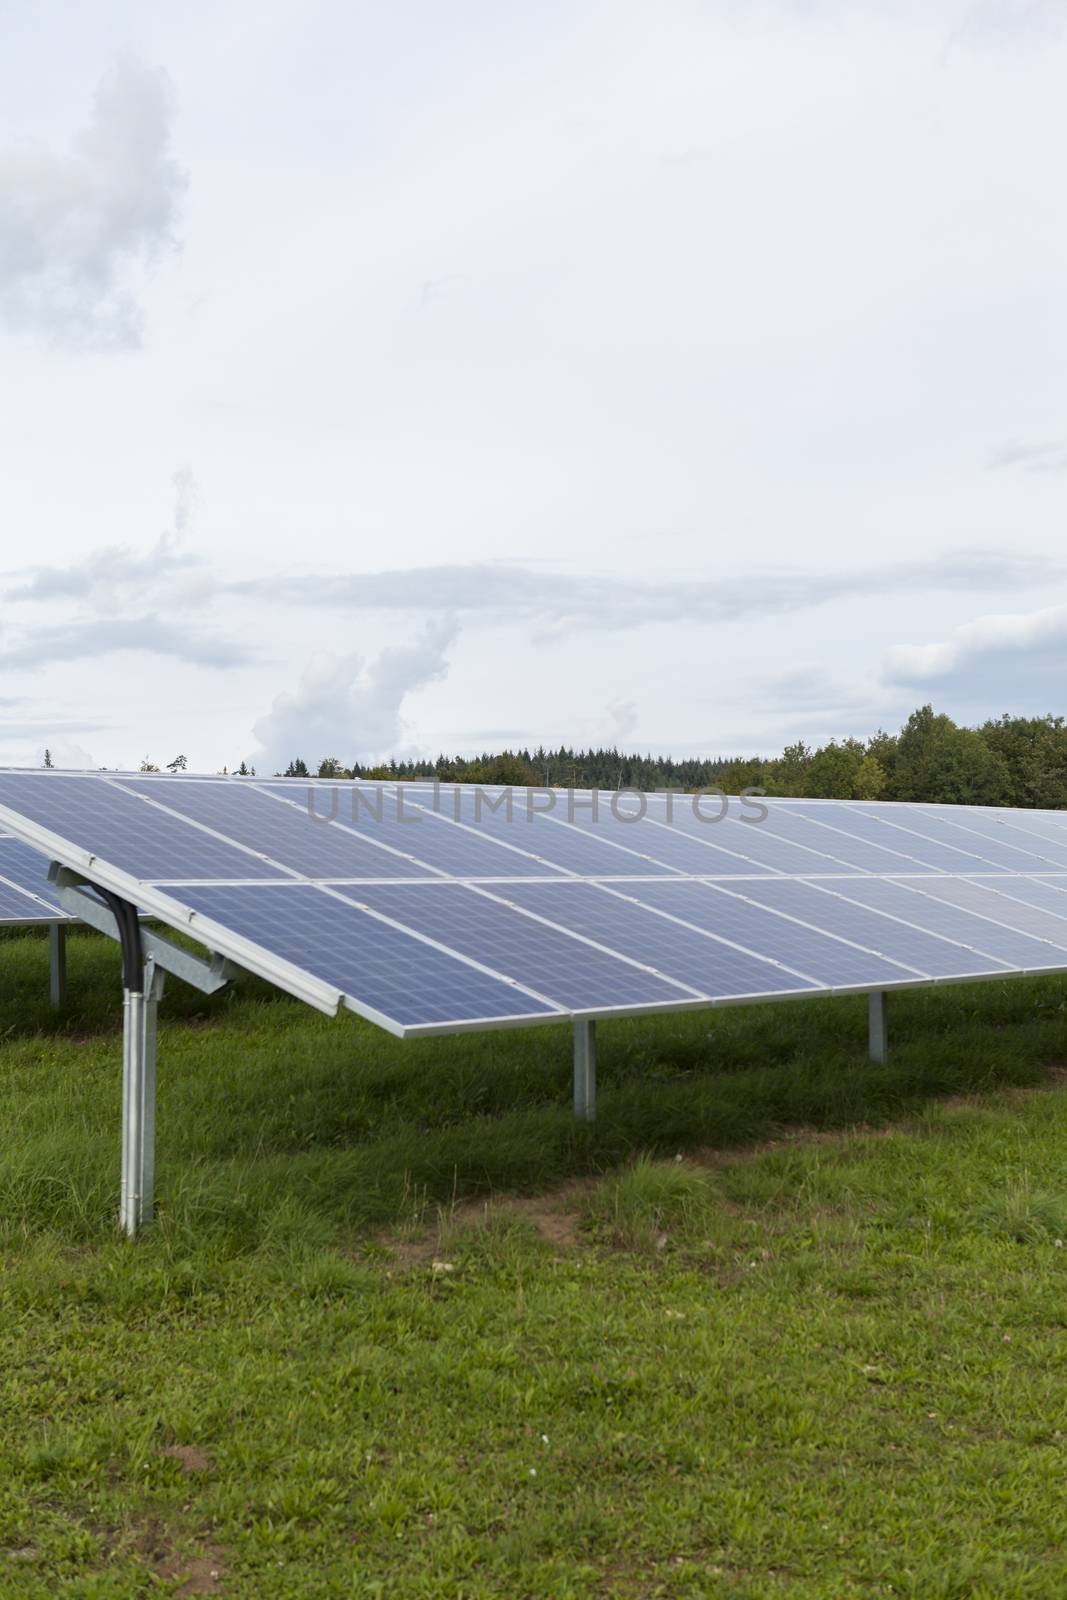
point(383, 380)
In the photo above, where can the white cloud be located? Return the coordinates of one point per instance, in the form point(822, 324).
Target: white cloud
point(76, 228)
point(348, 707)
point(1014, 660)
point(559, 601)
point(1049, 456)
point(80, 640)
point(999, 634)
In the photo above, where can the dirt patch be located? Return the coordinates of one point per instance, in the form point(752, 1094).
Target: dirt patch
point(191, 1561)
point(189, 1457)
point(201, 1573)
point(556, 1216)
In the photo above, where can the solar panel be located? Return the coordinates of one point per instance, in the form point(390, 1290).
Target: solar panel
point(25, 893)
point(430, 908)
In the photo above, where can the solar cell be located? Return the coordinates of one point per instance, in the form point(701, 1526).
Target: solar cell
point(906, 847)
point(844, 850)
point(831, 961)
point(568, 970)
point(608, 853)
point(103, 819)
point(284, 831)
point(713, 965)
point(1019, 950)
point(1033, 838)
point(1018, 855)
point(25, 893)
point(832, 908)
point(375, 966)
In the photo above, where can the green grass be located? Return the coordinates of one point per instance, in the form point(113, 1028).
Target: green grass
point(781, 1323)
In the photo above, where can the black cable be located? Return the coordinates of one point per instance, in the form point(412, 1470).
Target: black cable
point(129, 926)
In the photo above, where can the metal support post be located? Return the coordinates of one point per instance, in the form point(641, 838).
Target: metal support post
point(57, 956)
point(585, 1070)
point(137, 1188)
point(146, 957)
point(878, 1038)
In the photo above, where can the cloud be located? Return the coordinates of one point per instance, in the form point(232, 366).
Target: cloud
point(113, 569)
point(75, 228)
point(349, 701)
point(103, 572)
point(1010, 656)
point(80, 640)
point(557, 601)
point(1048, 457)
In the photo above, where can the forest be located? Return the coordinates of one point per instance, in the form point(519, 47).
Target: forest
point(1013, 761)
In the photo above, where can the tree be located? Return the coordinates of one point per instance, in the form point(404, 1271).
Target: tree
point(505, 769)
point(883, 747)
point(47, 762)
point(871, 779)
point(832, 771)
point(788, 774)
point(1034, 749)
point(179, 764)
point(245, 771)
point(148, 765)
point(938, 761)
point(296, 769)
point(330, 767)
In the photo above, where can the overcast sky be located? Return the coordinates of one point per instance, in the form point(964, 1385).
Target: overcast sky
point(381, 379)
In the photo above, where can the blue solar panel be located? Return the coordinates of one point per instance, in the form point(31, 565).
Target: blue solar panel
point(1018, 949)
point(838, 824)
point(607, 853)
point(15, 906)
point(756, 847)
point(25, 893)
point(384, 968)
point(996, 850)
point(581, 915)
point(1034, 843)
point(285, 832)
point(1048, 894)
point(106, 821)
point(564, 969)
point(709, 964)
point(828, 960)
point(986, 899)
point(844, 850)
point(825, 907)
point(431, 839)
point(688, 846)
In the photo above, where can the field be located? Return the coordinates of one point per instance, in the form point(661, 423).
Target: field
point(782, 1323)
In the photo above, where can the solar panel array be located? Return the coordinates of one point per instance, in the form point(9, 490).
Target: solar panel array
point(427, 911)
point(25, 894)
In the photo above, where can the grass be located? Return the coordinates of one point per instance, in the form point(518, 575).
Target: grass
point(781, 1323)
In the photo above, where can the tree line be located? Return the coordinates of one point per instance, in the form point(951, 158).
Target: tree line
point(1014, 761)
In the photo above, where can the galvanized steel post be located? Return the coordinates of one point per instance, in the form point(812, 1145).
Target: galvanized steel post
point(585, 1070)
point(878, 1038)
point(137, 1187)
point(57, 959)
